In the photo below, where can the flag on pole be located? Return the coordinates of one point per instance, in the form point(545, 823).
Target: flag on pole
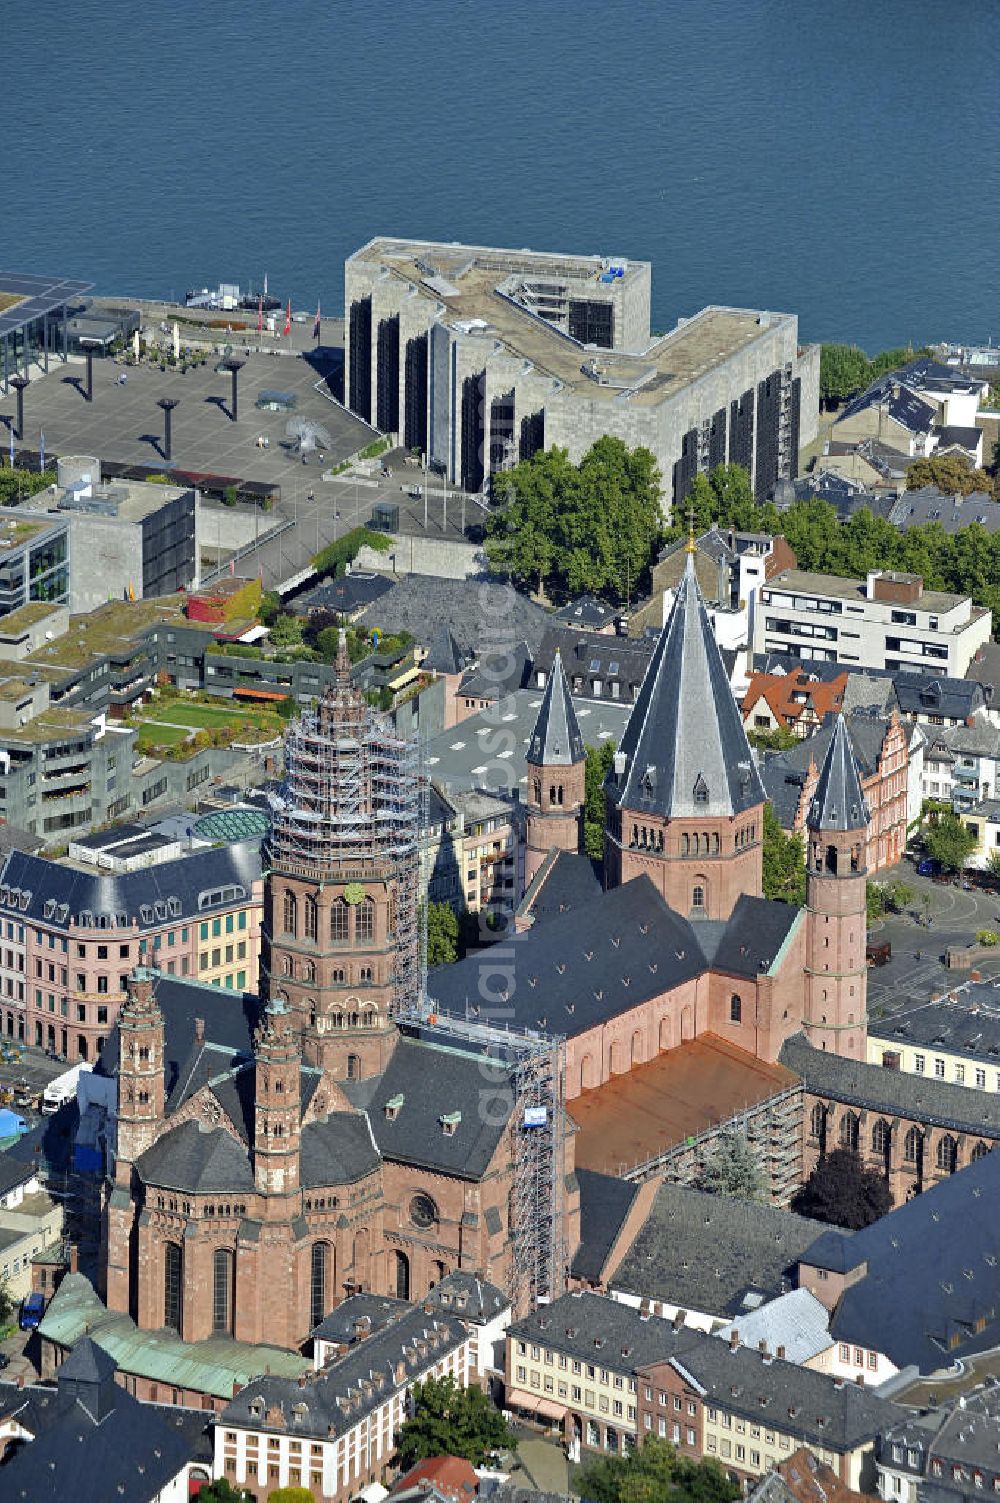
point(316, 323)
point(41, 451)
point(288, 317)
point(260, 314)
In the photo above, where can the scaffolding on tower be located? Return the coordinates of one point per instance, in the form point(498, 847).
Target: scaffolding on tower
point(534, 1065)
point(350, 810)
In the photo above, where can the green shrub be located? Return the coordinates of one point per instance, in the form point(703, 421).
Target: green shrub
point(373, 450)
point(345, 550)
point(987, 937)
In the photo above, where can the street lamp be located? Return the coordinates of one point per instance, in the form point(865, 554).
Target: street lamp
point(233, 367)
point(19, 383)
point(168, 404)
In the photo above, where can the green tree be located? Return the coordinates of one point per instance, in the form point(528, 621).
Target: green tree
point(270, 607)
point(993, 864)
point(781, 738)
point(654, 1473)
point(874, 901)
point(598, 765)
point(784, 862)
point(451, 1421)
point(844, 370)
point(222, 1491)
point(442, 934)
point(842, 1191)
point(734, 1170)
point(571, 528)
point(952, 473)
point(7, 1303)
point(898, 895)
point(290, 1495)
point(19, 485)
point(948, 841)
point(286, 631)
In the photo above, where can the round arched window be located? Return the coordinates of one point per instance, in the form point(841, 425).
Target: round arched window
point(423, 1211)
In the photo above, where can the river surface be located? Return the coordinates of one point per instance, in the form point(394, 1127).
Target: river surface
point(841, 162)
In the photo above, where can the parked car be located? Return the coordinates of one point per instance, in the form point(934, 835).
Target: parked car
point(927, 867)
point(32, 1310)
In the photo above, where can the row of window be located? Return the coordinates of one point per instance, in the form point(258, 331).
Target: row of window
point(849, 1134)
point(340, 919)
point(307, 970)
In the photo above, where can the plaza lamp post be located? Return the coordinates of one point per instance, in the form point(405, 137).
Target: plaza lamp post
point(167, 404)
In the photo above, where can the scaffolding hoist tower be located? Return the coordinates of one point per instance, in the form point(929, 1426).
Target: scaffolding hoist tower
point(350, 810)
point(535, 1064)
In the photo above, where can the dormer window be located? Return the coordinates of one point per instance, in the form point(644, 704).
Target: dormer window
point(393, 1107)
point(700, 790)
point(449, 1123)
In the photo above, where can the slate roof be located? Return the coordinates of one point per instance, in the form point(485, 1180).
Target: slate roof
point(838, 803)
point(196, 1158)
point(420, 603)
point(564, 880)
point(14, 1173)
point(955, 436)
point(588, 612)
point(444, 654)
point(803, 1403)
point(954, 698)
point(59, 894)
point(349, 593)
point(435, 1081)
point(556, 739)
point(952, 1282)
point(498, 674)
point(131, 1453)
point(468, 1296)
point(969, 1026)
point(796, 1322)
point(341, 1325)
point(902, 404)
point(605, 1201)
point(928, 504)
point(598, 1329)
point(612, 662)
point(336, 1150)
point(313, 1409)
point(702, 1252)
point(751, 941)
point(894, 1093)
point(586, 965)
point(685, 749)
point(985, 666)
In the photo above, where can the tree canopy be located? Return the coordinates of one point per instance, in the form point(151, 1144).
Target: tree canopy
point(947, 841)
point(964, 562)
point(442, 934)
point(845, 370)
point(564, 529)
point(451, 1421)
point(654, 1473)
point(598, 765)
point(953, 474)
point(222, 1491)
point(784, 862)
point(842, 1191)
point(735, 1170)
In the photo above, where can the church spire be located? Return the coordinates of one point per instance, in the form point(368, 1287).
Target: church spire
point(684, 753)
point(838, 803)
point(556, 740)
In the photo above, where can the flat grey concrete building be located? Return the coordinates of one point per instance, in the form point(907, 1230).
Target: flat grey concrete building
point(480, 357)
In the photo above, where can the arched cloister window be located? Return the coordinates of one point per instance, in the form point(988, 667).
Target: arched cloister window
point(947, 1154)
point(913, 1146)
point(340, 921)
point(290, 910)
point(849, 1131)
point(173, 1286)
point(881, 1138)
point(979, 1152)
point(310, 917)
point(817, 1123)
point(318, 1275)
point(364, 924)
point(223, 1290)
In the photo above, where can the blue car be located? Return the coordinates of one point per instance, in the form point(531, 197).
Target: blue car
point(928, 868)
point(32, 1310)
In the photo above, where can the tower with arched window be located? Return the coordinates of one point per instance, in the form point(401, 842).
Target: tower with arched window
point(341, 943)
point(836, 923)
point(277, 1104)
point(556, 776)
point(684, 800)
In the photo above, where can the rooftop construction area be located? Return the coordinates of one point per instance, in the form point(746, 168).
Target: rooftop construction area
point(676, 1096)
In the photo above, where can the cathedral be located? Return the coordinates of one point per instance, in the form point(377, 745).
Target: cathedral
point(373, 1139)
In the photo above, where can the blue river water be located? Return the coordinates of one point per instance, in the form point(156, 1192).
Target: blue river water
point(839, 161)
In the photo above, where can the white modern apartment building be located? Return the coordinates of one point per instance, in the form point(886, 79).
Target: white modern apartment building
point(888, 620)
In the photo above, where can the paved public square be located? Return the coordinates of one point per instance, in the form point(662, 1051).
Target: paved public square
point(124, 424)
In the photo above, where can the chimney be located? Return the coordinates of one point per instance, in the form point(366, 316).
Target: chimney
point(779, 1352)
point(74, 1258)
point(762, 1348)
point(236, 1388)
point(20, 1380)
point(860, 1380)
point(199, 1030)
point(734, 1340)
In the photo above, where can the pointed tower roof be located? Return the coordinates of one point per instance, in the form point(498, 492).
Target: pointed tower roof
point(685, 749)
point(556, 740)
point(838, 803)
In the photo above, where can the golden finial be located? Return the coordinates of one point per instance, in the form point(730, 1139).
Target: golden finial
point(690, 546)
